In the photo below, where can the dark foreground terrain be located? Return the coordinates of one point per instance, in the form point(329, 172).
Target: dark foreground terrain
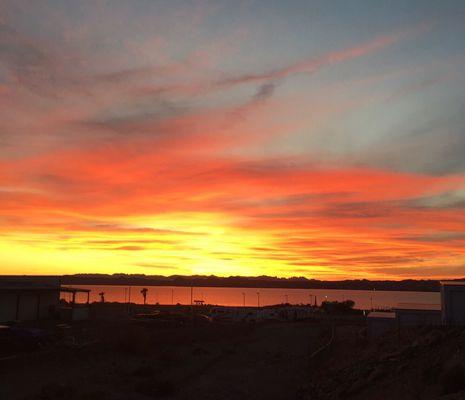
point(322, 358)
point(422, 363)
point(143, 360)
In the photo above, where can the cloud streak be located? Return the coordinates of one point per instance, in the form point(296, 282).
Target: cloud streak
point(153, 149)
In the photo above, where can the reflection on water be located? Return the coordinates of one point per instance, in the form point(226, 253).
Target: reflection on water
point(364, 299)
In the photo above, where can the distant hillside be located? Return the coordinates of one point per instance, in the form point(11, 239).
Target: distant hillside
point(240, 281)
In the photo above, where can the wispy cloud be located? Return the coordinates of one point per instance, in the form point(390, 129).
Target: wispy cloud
point(169, 144)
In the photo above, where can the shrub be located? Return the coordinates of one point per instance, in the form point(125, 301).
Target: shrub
point(338, 307)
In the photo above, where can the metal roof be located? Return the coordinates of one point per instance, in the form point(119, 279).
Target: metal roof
point(382, 314)
point(418, 307)
point(28, 288)
point(14, 288)
point(452, 283)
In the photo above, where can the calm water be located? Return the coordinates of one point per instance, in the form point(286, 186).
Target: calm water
point(364, 299)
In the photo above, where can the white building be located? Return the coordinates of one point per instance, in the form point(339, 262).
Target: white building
point(380, 322)
point(405, 315)
point(453, 302)
point(417, 314)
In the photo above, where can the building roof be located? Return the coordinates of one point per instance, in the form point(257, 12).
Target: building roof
point(417, 307)
point(17, 288)
point(452, 283)
point(29, 282)
point(382, 314)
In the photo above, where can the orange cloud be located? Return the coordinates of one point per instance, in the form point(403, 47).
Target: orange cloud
point(301, 218)
point(169, 166)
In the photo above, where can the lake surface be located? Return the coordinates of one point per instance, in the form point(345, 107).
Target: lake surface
point(364, 299)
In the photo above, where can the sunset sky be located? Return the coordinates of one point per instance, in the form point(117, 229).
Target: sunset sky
point(323, 139)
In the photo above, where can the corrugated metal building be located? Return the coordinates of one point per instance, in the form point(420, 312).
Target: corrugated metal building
point(417, 314)
point(380, 322)
point(453, 302)
point(28, 298)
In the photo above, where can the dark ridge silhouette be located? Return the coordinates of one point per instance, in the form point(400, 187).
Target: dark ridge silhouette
point(245, 281)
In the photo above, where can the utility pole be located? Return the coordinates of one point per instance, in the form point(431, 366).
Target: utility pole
point(192, 304)
point(258, 299)
point(243, 299)
point(172, 296)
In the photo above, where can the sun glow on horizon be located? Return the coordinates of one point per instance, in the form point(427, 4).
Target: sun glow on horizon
point(190, 138)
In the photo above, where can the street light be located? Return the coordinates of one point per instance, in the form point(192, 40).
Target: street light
point(243, 299)
point(258, 299)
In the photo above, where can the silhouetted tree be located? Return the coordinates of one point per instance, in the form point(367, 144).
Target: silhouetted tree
point(144, 294)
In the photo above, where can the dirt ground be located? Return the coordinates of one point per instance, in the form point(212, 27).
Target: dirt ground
point(117, 358)
point(141, 360)
point(421, 363)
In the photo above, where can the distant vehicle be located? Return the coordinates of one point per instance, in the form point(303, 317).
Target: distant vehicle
point(15, 339)
point(233, 314)
point(173, 318)
point(269, 315)
point(152, 315)
point(203, 318)
point(222, 314)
